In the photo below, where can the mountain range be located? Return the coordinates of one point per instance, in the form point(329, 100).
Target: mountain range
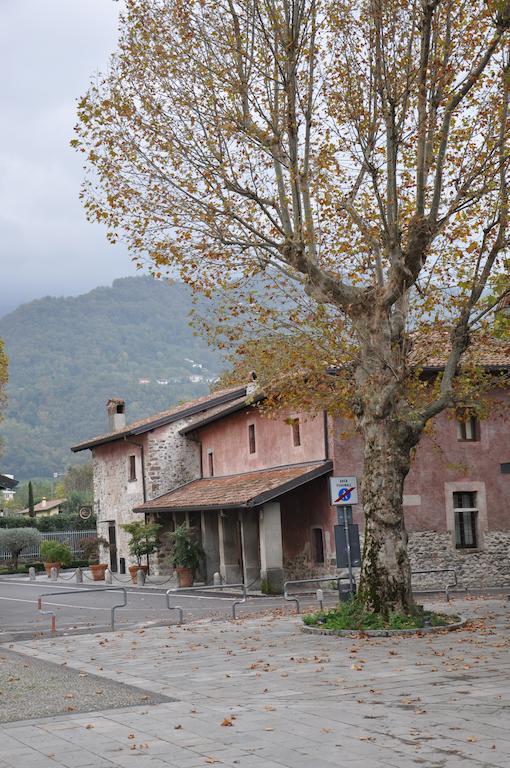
point(67, 356)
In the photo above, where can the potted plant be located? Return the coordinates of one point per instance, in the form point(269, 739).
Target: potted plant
point(143, 541)
point(54, 554)
point(186, 553)
point(90, 548)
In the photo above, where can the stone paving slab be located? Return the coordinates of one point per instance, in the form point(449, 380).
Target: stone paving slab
point(292, 700)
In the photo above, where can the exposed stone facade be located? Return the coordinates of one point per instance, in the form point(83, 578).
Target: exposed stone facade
point(170, 460)
point(487, 567)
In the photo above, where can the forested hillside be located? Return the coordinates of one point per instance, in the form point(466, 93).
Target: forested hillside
point(68, 355)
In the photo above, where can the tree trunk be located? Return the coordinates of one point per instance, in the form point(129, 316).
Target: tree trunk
point(383, 419)
point(386, 573)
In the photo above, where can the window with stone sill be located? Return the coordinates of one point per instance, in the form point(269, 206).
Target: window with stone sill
point(466, 519)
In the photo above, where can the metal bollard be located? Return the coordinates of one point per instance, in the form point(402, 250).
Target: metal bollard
point(54, 574)
point(79, 575)
point(31, 573)
point(107, 576)
point(140, 578)
point(320, 598)
point(217, 580)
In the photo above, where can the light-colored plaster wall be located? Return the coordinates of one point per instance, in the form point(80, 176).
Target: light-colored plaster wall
point(114, 494)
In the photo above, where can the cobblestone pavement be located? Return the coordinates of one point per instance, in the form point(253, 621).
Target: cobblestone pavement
point(260, 694)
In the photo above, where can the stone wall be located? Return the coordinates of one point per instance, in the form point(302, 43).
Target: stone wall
point(170, 459)
point(115, 494)
point(487, 567)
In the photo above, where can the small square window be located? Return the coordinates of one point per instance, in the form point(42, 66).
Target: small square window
point(251, 438)
point(296, 432)
point(468, 429)
point(318, 545)
point(132, 469)
point(466, 519)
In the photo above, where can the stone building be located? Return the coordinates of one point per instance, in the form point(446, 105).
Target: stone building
point(257, 489)
point(136, 462)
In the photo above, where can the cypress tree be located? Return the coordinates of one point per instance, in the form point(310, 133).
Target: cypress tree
point(31, 509)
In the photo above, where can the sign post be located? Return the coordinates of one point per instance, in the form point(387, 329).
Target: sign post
point(348, 540)
point(344, 493)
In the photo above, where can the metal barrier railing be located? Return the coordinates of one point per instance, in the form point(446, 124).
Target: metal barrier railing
point(174, 607)
point(213, 588)
point(80, 592)
point(322, 579)
point(447, 587)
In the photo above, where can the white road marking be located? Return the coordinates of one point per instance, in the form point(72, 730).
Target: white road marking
point(129, 592)
point(70, 605)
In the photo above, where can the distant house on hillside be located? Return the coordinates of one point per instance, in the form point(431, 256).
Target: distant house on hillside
point(46, 508)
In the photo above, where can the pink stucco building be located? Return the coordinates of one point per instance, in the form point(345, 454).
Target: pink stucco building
point(257, 488)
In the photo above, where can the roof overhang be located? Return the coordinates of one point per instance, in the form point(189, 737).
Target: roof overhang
point(159, 422)
point(175, 501)
point(7, 483)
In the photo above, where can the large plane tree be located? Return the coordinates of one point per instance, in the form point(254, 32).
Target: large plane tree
point(352, 155)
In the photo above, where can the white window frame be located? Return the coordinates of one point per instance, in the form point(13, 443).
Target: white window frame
point(468, 486)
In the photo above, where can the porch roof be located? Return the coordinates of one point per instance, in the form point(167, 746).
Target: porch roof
point(248, 489)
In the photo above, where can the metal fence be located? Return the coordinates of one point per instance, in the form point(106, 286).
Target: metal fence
point(71, 538)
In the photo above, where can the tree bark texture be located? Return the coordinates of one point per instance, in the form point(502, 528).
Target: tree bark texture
point(386, 572)
point(389, 434)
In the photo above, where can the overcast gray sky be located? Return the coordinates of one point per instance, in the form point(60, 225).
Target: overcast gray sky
point(48, 51)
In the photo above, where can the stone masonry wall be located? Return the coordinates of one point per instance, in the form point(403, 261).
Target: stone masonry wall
point(170, 460)
point(116, 496)
point(488, 567)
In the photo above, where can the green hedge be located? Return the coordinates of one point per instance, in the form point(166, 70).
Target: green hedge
point(48, 524)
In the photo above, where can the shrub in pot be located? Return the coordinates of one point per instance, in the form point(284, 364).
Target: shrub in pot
point(186, 553)
point(55, 554)
point(15, 540)
point(90, 548)
point(143, 541)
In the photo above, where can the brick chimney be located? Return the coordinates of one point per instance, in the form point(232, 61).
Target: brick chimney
point(251, 386)
point(116, 410)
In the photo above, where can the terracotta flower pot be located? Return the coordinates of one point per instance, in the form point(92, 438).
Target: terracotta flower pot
point(133, 570)
point(49, 566)
point(185, 577)
point(98, 571)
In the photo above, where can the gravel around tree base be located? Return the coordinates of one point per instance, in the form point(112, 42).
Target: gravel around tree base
point(32, 688)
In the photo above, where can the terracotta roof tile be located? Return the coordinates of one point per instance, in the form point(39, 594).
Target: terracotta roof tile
point(172, 414)
point(246, 489)
point(486, 351)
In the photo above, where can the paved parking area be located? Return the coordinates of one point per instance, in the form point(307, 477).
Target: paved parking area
point(260, 694)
